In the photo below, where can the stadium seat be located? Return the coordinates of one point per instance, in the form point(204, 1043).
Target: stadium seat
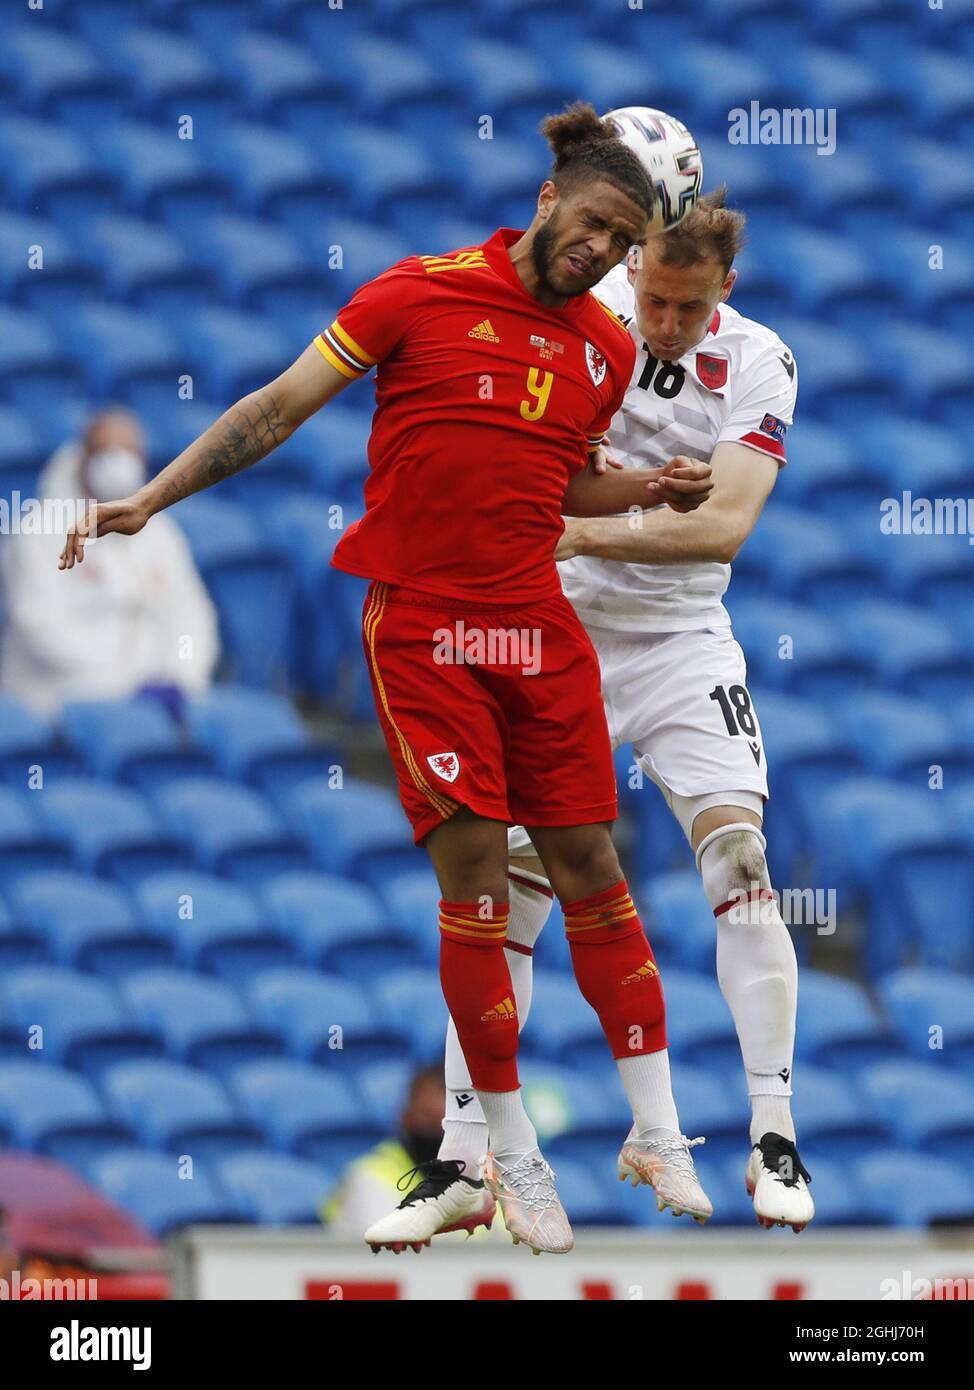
point(203, 1021)
point(48, 1109)
point(323, 1018)
point(132, 741)
point(51, 169)
point(411, 898)
point(308, 1110)
point(411, 1002)
point(385, 1086)
point(275, 1189)
point(791, 647)
point(140, 260)
point(699, 1026)
point(680, 916)
point(100, 932)
point(911, 649)
point(562, 1026)
point(832, 1119)
point(68, 271)
point(909, 1188)
point(256, 736)
point(349, 825)
point(20, 944)
point(111, 830)
point(233, 830)
point(176, 1107)
point(161, 1192)
point(26, 844)
point(925, 1107)
point(933, 1014)
point(837, 1025)
point(337, 924)
point(76, 1019)
point(214, 923)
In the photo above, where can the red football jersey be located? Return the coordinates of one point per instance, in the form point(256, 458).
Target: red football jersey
point(487, 403)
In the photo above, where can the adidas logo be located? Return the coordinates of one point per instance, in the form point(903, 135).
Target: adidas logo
point(645, 972)
point(485, 332)
point(504, 1010)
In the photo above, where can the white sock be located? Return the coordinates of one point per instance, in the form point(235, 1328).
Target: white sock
point(756, 968)
point(464, 1126)
point(650, 1091)
point(511, 1131)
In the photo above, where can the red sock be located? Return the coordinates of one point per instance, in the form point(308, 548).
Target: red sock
point(478, 992)
point(616, 971)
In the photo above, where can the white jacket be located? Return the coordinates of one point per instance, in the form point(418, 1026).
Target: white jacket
point(135, 612)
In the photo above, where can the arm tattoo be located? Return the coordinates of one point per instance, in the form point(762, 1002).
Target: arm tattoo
point(243, 436)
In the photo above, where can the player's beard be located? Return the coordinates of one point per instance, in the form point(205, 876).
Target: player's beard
point(543, 254)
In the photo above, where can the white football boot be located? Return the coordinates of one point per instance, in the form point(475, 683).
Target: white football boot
point(777, 1181)
point(667, 1167)
point(443, 1201)
point(525, 1191)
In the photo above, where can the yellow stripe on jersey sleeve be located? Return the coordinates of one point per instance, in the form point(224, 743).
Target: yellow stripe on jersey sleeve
point(335, 360)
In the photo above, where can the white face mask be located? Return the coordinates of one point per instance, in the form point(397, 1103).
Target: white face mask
point(114, 473)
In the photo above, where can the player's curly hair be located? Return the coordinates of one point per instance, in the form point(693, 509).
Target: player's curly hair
point(586, 147)
point(710, 231)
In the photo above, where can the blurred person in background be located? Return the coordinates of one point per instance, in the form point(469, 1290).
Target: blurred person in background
point(373, 1180)
point(140, 616)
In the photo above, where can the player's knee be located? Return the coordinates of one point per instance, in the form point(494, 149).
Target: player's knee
point(743, 857)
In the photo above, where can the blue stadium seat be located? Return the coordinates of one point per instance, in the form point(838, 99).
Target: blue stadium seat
point(708, 1108)
point(251, 259)
point(100, 932)
point(50, 169)
point(913, 1189)
point(112, 830)
point(20, 944)
point(257, 736)
point(308, 1110)
point(933, 1014)
point(82, 1020)
point(27, 741)
point(269, 167)
point(47, 1109)
point(124, 351)
point(926, 1107)
point(809, 558)
point(337, 924)
point(828, 471)
point(233, 830)
point(837, 1025)
point(32, 358)
point(275, 1189)
point(412, 900)
point(279, 79)
point(203, 1021)
point(68, 272)
point(794, 648)
point(915, 456)
point(411, 1002)
point(26, 844)
point(140, 260)
point(176, 1107)
point(680, 916)
point(169, 71)
point(132, 740)
point(21, 453)
point(49, 66)
point(154, 1188)
point(911, 650)
point(837, 379)
point(928, 364)
point(348, 825)
point(698, 1022)
point(323, 1018)
point(160, 173)
point(385, 1086)
point(562, 1027)
point(250, 582)
point(901, 737)
point(215, 923)
point(832, 1120)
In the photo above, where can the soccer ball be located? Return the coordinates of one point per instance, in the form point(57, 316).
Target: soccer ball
point(668, 153)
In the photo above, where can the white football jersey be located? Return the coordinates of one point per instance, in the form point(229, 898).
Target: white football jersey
point(738, 384)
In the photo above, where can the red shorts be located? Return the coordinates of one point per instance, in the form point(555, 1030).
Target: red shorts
point(515, 730)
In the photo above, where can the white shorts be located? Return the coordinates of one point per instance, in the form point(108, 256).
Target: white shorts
point(681, 700)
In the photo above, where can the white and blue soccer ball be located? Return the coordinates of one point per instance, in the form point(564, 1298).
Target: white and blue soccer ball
point(670, 156)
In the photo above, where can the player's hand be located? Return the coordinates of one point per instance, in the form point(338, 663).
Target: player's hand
point(684, 484)
point(600, 460)
point(126, 516)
